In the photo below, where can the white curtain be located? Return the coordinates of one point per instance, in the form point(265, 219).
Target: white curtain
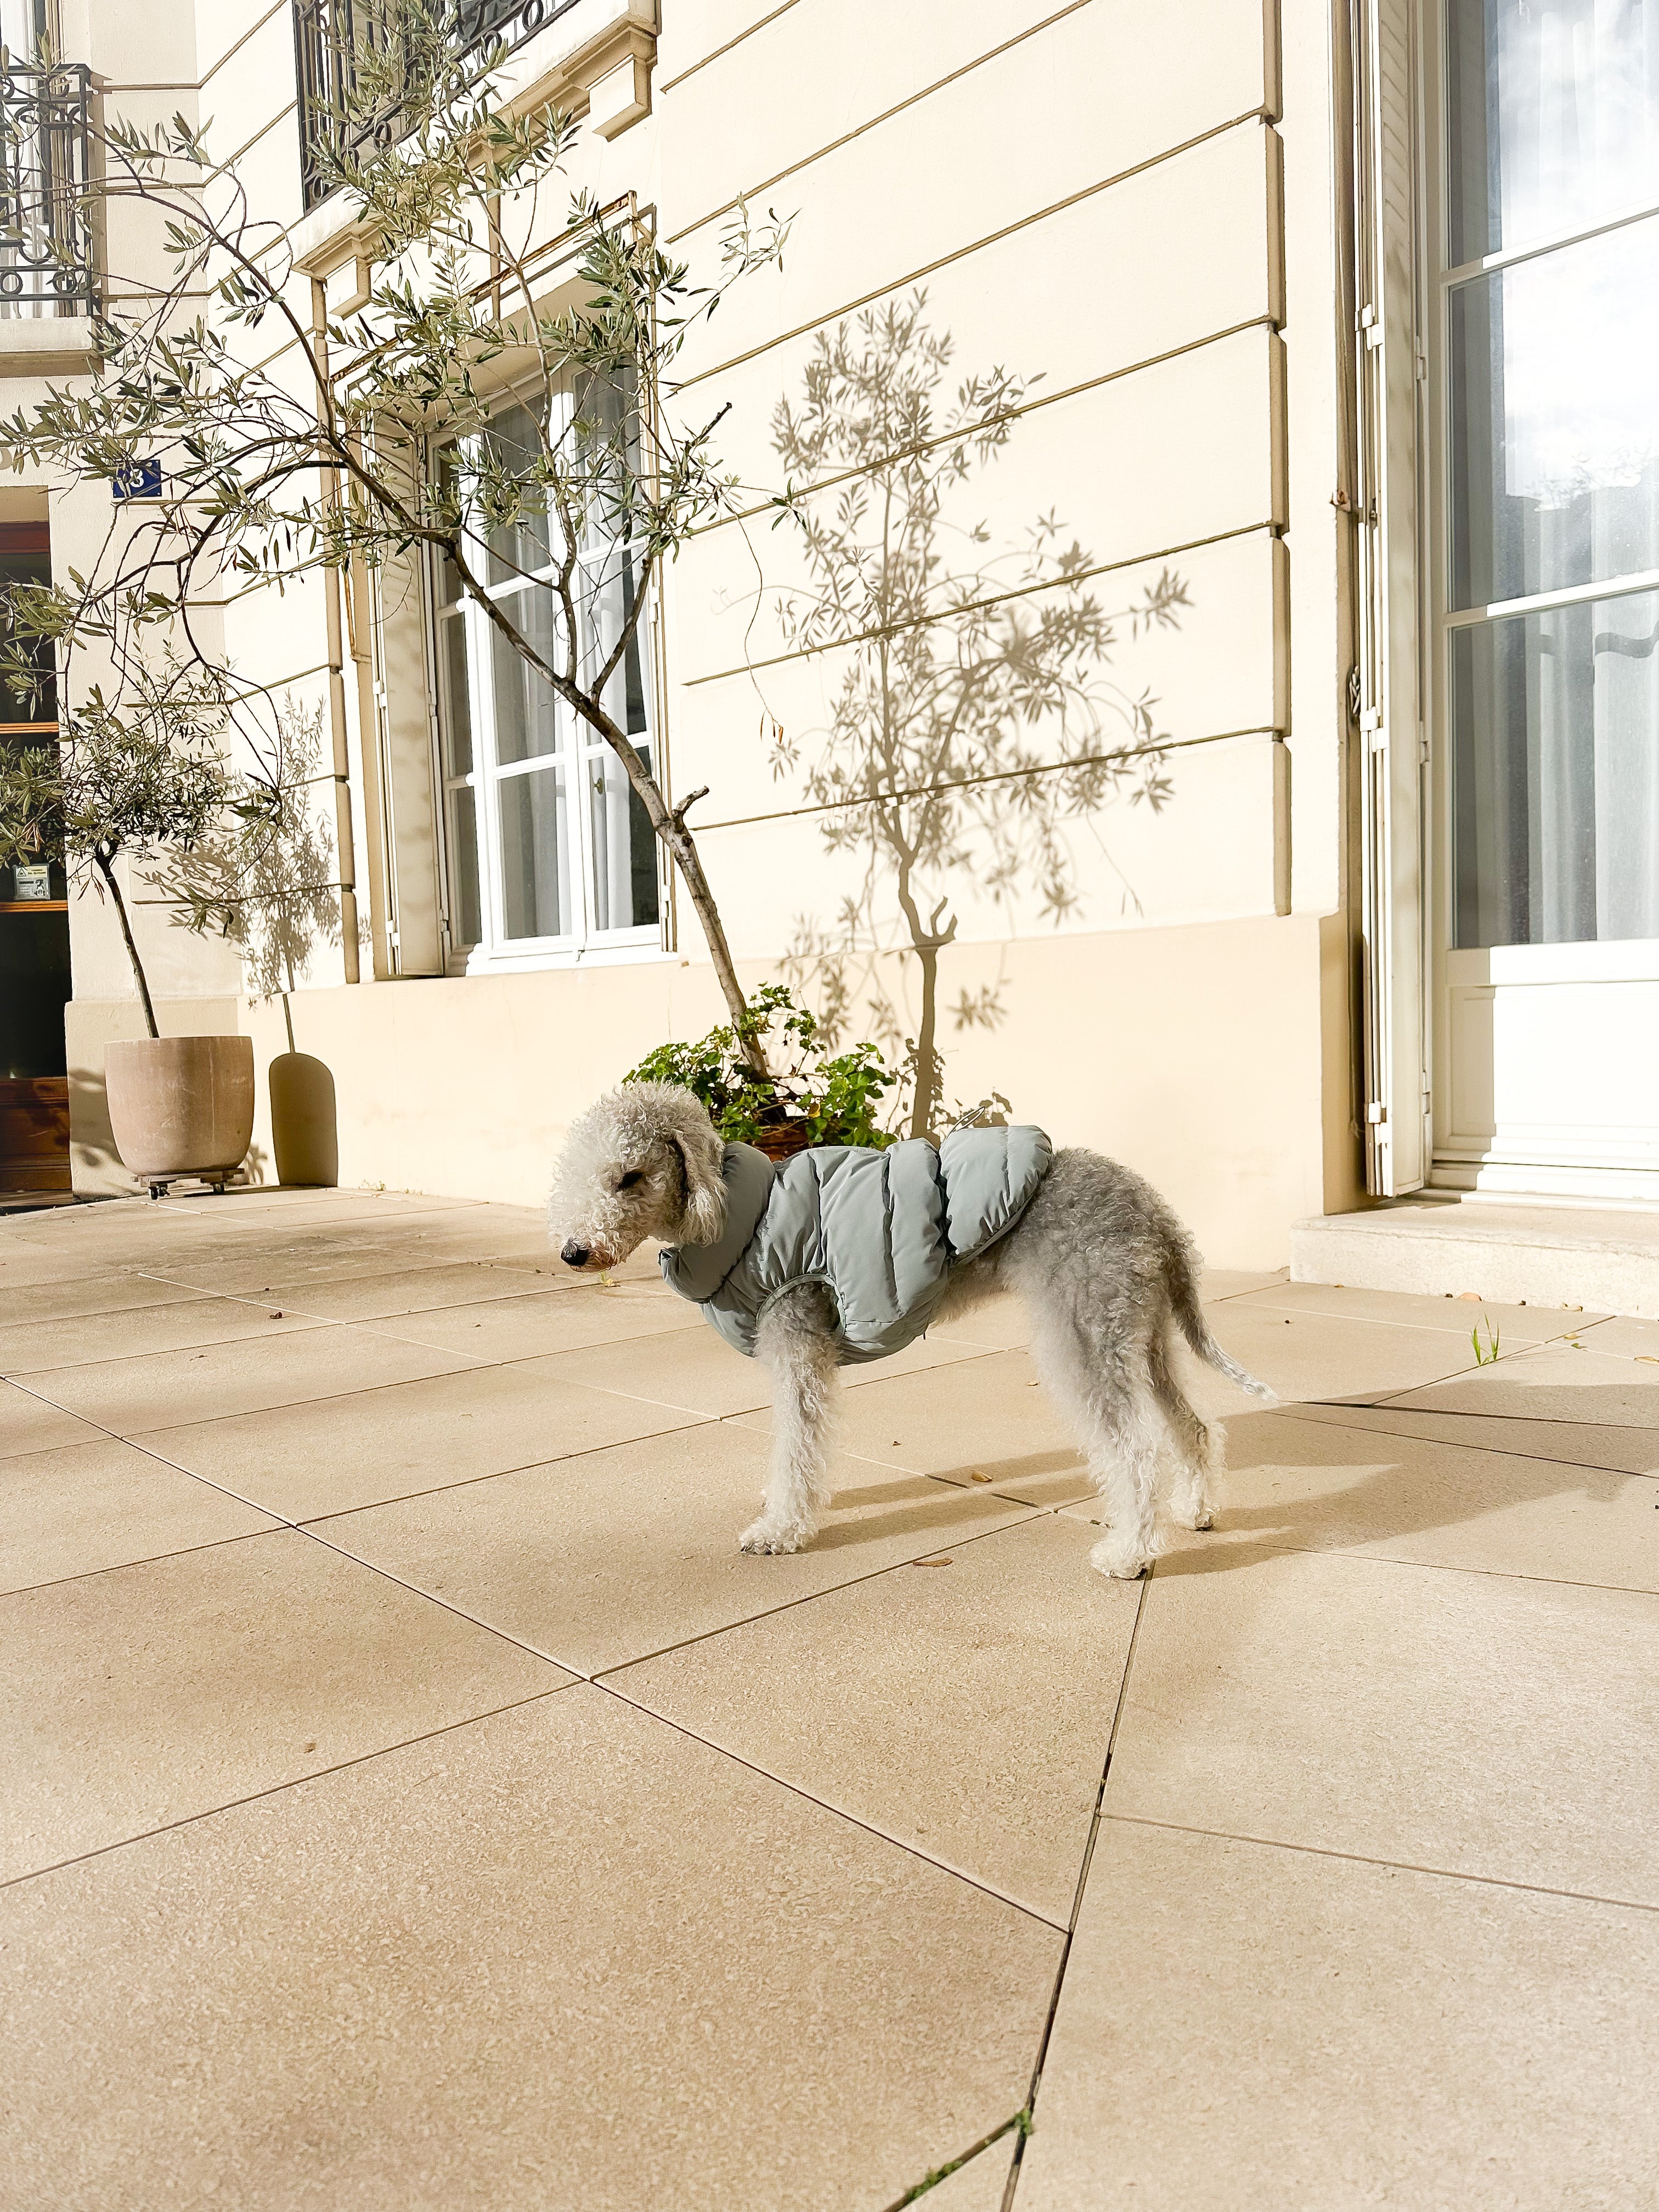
point(1555, 423)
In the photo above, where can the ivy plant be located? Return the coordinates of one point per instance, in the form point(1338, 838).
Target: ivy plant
point(834, 1100)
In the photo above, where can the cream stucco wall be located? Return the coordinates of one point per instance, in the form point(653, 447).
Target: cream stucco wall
point(1130, 206)
point(1237, 1062)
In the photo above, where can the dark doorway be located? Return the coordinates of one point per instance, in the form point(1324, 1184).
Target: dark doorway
point(34, 943)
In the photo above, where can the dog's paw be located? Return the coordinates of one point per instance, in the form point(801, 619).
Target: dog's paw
point(1198, 1517)
point(771, 1537)
point(1123, 1562)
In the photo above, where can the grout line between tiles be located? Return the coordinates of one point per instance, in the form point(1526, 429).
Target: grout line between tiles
point(407, 1313)
point(276, 1789)
point(274, 1223)
point(308, 1327)
point(187, 1297)
point(1381, 1322)
point(807, 1597)
point(523, 1466)
point(741, 1413)
point(1403, 1866)
point(149, 1560)
point(936, 2174)
point(283, 1520)
point(1298, 1412)
point(839, 1812)
point(1253, 1549)
point(636, 1659)
point(1011, 2186)
point(464, 1365)
point(576, 1674)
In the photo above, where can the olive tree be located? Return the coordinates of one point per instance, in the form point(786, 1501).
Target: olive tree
point(148, 785)
point(285, 445)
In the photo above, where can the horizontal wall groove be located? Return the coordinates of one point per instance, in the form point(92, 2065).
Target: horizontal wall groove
point(1261, 322)
point(998, 775)
point(980, 245)
point(977, 606)
point(692, 68)
point(911, 99)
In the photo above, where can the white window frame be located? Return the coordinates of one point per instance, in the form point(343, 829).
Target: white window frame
point(580, 749)
point(1446, 280)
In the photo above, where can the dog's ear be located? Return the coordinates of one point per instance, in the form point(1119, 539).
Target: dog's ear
point(703, 1158)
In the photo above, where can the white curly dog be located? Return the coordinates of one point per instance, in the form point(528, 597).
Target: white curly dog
point(1107, 1271)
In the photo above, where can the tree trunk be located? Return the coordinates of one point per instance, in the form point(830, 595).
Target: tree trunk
point(107, 873)
point(927, 941)
point(670, 825)
point(925, 1095)
point(690, 864)
point(667, 823)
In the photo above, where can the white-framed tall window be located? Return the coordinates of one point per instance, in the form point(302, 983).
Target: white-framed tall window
point(1549, 608)
point(549, 856)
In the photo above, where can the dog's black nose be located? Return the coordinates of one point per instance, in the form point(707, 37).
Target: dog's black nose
point(574, 1254)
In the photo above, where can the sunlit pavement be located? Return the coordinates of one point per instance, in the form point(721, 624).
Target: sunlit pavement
point(412, 1798)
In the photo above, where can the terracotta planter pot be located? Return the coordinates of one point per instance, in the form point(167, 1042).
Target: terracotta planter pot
point(181, 1106)
point(783, 1140)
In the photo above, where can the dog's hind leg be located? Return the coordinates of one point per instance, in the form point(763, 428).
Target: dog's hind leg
point(1193, 1444)
point(797, 1342)
point(1105, 1389)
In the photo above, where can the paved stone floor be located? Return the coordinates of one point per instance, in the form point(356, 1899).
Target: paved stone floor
point(411, 1799)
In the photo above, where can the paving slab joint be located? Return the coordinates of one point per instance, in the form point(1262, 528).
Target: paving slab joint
point(1022, 2120)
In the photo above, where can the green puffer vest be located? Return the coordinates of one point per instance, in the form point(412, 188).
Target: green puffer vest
point(881, 1230)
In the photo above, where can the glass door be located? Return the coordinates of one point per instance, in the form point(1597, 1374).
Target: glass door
point(1545, 585)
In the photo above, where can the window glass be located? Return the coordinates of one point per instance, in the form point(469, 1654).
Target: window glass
point(1552, 454)
point(535, 872)
point(1555, 118)
point(624, 846)
point(1555, 775)
point(526, 717)
point(456, 698)
point(466, 921)
point(519, 541)
point(1554, 403)
point(549, 844)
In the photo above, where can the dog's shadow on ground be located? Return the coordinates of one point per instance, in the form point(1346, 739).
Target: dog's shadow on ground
point(920, 1505)
point(951, 1499)
point(1401, 1486)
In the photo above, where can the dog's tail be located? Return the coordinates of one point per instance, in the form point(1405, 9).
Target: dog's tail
point(1189, 1315)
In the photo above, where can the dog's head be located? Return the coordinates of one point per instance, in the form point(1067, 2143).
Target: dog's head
point(643, 1161)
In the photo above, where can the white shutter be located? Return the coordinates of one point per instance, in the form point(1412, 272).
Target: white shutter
point(1392, 692)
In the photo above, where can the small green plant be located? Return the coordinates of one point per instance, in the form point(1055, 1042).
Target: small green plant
point(1485, 1359)
point(836, 1100)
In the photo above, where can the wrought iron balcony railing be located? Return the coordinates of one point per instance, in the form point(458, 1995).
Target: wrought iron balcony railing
point(333, 39)
point(46, 265)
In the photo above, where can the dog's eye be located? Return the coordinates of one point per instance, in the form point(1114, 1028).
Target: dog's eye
point(628, 1180)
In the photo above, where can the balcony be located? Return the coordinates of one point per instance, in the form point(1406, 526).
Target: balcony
point(332, 38)
point(47, 271)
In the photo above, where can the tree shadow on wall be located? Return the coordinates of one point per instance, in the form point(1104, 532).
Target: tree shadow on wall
point(977, 721)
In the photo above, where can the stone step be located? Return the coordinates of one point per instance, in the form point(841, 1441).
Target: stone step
point(1604, 1261)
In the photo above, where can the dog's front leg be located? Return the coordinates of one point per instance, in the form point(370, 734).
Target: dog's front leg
point(797, 1341)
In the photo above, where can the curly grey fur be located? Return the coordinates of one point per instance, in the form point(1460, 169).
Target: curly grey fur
point(1107, 1271)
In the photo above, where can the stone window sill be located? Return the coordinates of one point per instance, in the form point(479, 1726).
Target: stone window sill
point(46, 345)
point(594, 60)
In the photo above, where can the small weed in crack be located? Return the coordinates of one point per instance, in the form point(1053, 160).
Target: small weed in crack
point(1021, 2119)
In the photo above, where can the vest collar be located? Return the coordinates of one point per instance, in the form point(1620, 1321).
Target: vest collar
point(696, 1271)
